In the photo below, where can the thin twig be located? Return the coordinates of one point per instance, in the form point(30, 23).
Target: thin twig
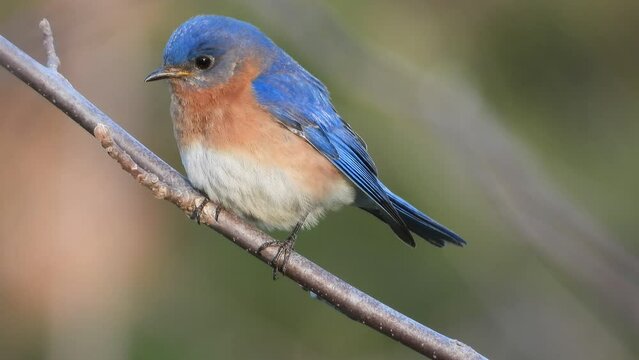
point(149, 180)
point(168, 184)
point(53, 61)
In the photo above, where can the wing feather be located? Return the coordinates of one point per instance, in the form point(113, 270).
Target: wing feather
point(301, 103)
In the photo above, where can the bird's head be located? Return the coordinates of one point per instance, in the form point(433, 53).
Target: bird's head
point(206, 50)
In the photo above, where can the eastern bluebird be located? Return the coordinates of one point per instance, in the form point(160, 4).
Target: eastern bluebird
point(258, 134)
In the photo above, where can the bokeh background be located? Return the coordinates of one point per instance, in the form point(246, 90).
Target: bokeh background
point(512, 122)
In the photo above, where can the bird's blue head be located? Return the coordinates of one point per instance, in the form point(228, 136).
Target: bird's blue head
point(206, 50)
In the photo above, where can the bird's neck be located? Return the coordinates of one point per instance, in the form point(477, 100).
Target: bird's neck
point(213, 114)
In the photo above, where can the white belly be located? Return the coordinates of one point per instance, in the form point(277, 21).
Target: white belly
point(259, 193)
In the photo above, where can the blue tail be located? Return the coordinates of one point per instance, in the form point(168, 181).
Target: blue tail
point(417, 222)
point(422, 225)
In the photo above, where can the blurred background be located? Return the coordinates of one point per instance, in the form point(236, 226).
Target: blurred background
point(512, 122)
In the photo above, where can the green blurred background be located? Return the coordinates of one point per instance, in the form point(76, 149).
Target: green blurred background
point(512, 122)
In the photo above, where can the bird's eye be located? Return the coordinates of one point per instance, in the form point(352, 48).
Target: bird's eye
point(203, 62)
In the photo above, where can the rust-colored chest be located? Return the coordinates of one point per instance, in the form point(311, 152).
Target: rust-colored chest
point(228, 119)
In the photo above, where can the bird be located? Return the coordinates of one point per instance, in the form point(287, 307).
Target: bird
point(259, 135)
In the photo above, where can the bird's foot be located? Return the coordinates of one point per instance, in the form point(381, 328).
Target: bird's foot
point(218, 210)
point(284, 250)
point(197, 213)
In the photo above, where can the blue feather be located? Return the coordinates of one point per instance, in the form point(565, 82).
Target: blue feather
point(302, 103)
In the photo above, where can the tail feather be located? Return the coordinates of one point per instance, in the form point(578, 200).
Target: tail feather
point(422, 225)
point(419, 223)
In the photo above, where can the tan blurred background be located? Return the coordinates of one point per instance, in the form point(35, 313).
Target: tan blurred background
point(512, 122)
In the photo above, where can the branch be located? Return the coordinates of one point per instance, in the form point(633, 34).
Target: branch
point(166, 183)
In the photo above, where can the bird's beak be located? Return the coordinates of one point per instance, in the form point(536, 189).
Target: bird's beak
point(166, 73)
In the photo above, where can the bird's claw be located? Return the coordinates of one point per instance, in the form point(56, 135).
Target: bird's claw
point(284, 250)
point(197, 213)
point(218, 210)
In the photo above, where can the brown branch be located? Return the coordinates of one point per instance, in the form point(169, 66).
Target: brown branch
point(166, 183)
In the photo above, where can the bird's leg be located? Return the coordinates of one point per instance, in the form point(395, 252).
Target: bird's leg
point(289, 244)
point(284, 249)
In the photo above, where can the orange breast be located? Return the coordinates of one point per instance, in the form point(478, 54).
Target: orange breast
point(228, 118)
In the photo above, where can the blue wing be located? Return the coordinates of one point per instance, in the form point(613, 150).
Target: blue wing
point(302, 104)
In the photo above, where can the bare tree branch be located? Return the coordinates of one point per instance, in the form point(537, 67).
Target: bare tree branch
point(166, 183)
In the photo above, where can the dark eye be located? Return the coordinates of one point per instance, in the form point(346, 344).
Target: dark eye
point(203, 62)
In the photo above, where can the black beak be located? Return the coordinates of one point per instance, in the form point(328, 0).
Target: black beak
point(166, 73)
